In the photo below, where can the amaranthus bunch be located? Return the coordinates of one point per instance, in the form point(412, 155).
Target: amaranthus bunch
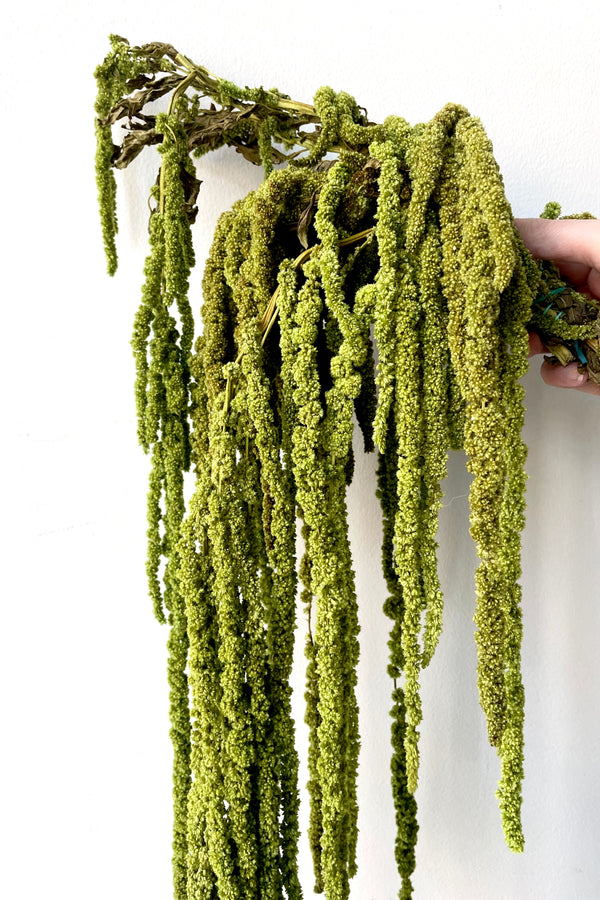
point(405, 238)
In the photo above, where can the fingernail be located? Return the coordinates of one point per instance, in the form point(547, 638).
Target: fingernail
point(581, 377)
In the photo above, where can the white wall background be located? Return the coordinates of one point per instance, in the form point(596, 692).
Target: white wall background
point(85, 753)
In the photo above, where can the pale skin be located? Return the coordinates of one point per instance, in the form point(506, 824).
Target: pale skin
point(574, 246)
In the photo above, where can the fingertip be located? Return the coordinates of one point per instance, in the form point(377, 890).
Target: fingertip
point(563, 376)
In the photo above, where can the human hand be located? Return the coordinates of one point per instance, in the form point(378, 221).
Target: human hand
point(573, 245)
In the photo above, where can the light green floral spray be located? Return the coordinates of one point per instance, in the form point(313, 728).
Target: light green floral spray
point(404, 239)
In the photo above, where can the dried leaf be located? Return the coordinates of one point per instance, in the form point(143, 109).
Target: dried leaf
point(324, 165)
point(305, 221)
point(140, 81)
point(209, 127)
point(131, 106)
point(191, 188)
point(133, 144)
point(578, 314)
point(156, 50)
point(248, 151)
point(144, 123)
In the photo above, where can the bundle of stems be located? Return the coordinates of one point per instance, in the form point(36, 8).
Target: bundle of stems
point(401, 238)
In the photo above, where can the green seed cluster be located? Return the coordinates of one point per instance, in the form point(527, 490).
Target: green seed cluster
point(412, 248)
point(162, 341)
point(113, 75)
point(448, 299)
